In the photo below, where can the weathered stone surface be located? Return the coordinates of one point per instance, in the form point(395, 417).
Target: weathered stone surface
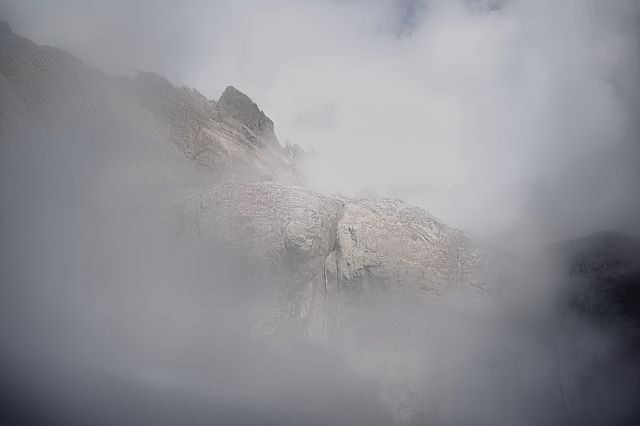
point(386, 245)
point(240, 107)
point(328, 254)
point(287, 227)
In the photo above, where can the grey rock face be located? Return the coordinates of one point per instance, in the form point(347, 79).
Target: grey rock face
point(241, 108)
point(333, 259)
point(232, 139)
point(386, 245)
point(328, 254)
point(289, 228)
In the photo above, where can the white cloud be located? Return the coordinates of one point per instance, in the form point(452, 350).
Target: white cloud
point(498, 102)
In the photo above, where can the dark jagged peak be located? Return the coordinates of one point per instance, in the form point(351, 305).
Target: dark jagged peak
point(241, 106)
point(243, 109)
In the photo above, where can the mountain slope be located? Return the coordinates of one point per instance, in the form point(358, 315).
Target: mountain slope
point(231, 138)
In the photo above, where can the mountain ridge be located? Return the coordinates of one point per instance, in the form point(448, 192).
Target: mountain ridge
point(232, 138)
point(330, 259)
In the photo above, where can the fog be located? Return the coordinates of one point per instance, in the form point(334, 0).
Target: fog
point(109, 318)
point(515, 120)
point(455, 105)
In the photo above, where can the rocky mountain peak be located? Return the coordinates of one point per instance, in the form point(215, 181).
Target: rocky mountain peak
point(243, 109)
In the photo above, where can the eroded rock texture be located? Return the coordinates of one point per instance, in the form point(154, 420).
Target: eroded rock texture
point(329, 254)
point(386, 245)
point(287, 227)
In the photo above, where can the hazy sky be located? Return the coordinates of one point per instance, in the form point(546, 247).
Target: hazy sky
point(520, 104)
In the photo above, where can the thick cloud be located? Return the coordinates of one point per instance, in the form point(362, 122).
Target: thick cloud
point(520, 111)
point(515, 119)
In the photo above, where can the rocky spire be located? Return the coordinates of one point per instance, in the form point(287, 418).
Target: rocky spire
point(242, 108)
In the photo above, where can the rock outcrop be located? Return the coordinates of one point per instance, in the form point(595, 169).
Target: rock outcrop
point(328, 254)
point(241, 108)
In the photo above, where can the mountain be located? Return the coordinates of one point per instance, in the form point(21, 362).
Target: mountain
point(231, 138)
point(134, 213)
point(96, 158)
point(318, 242)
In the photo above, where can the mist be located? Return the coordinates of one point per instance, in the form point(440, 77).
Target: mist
point(516, 121)
point(110, 318)
point(454, 105)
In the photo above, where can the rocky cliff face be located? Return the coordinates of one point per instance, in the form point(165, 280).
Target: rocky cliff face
point(241, 108)
point(329, 254)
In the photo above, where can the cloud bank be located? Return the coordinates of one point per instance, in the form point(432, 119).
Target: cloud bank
point(522, 111)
